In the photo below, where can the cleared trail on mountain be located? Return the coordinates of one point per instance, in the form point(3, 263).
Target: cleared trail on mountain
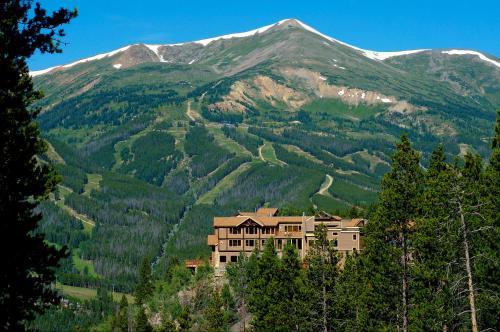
point(192, 115)
point(323, 190)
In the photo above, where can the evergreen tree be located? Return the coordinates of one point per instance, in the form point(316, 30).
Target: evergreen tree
point(322, 274)
point(388, 234)
point(144, 288)
point(435, 245)
point(216, 317)
point(141, 321)
point(120, 320)
point(350, 291)
point(487, 262)
point(289, 299)
point(27, 271)
point(263, 286)
point(185, 320)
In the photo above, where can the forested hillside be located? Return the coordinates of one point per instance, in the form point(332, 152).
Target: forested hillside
point(151, 146)
point(429, 263)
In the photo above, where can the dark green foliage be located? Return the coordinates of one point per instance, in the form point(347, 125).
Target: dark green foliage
point(222, 172)
point(280, 186)
point(216, 314)
point(144, 288)
point(28, 270)
point(251, 143)
point(75, 314)
point(206, 155)
point(120, 318)
point(185, 320)
point(60, 227)
point(263, 287)
point(386, 258)
point(215, 115)
point(178, 182)
point(72, 177)
point(141, 321)
point(322, 276)
point(133, 221)
point(152, 157)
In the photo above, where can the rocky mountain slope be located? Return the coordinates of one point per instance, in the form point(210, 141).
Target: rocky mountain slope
point(175, 134)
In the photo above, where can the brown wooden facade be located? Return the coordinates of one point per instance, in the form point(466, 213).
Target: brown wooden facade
point(249, 230)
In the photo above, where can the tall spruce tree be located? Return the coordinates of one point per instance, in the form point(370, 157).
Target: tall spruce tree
point(487, 262)
point(289, 307)
point(435, 243)
point(387, 241)
point(144, 288)
point(263, 285)
point(27, 268)
point(322, 276)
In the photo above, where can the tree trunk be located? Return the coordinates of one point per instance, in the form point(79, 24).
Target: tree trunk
point(472, 299)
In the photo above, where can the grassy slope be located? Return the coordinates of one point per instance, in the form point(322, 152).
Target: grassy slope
point(89, 293)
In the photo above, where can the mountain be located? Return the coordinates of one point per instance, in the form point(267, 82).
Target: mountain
point(152, 141)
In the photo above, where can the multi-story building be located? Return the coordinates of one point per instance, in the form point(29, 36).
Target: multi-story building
point(249, 230)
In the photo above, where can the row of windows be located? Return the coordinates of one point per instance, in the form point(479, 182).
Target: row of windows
point(248, 243)
point(222, 259)
point(293, 228)
point(252, 230)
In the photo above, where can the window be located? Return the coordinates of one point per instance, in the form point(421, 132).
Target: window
point(293, 228)
point(222, 259)
point(334, 242)
point(234, 243)
point(251, 230)
point(335, 233)
point(263, 243)
point(354, 237)
point(234, 230)
point(297, 243)
point(268, 230)
point(234, 259)
point(249, 243)
point(311, 243)
point(280, 244)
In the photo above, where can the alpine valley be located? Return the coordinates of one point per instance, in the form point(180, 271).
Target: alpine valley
point(152, 141)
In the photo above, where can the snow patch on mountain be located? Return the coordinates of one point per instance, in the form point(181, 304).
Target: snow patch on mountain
point(207, 41)
point(117, 66)
point(95, 57)
point(374, 55)
point(468, 52)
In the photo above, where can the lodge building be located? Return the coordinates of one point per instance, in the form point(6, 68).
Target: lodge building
point(249, 230)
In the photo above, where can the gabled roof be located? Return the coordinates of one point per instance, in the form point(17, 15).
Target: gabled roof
point(262, 220)
point(268, 212)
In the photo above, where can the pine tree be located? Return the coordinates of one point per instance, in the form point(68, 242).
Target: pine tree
point(350, 296)
point(435, 243)
point(263, 284)
point(215, 315)
point(388, 234)
point(141, 321)
point(120, 320)
point(487, 261)
point(322, 275)
point(28, 269)
point(289, 307)
point(144, 288)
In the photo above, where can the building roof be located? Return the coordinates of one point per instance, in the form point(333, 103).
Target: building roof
point(266, 217)
point(212, 240)
point(259, 219)
point(269, 212)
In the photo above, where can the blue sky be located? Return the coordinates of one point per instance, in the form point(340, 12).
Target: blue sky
point(380, 25)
